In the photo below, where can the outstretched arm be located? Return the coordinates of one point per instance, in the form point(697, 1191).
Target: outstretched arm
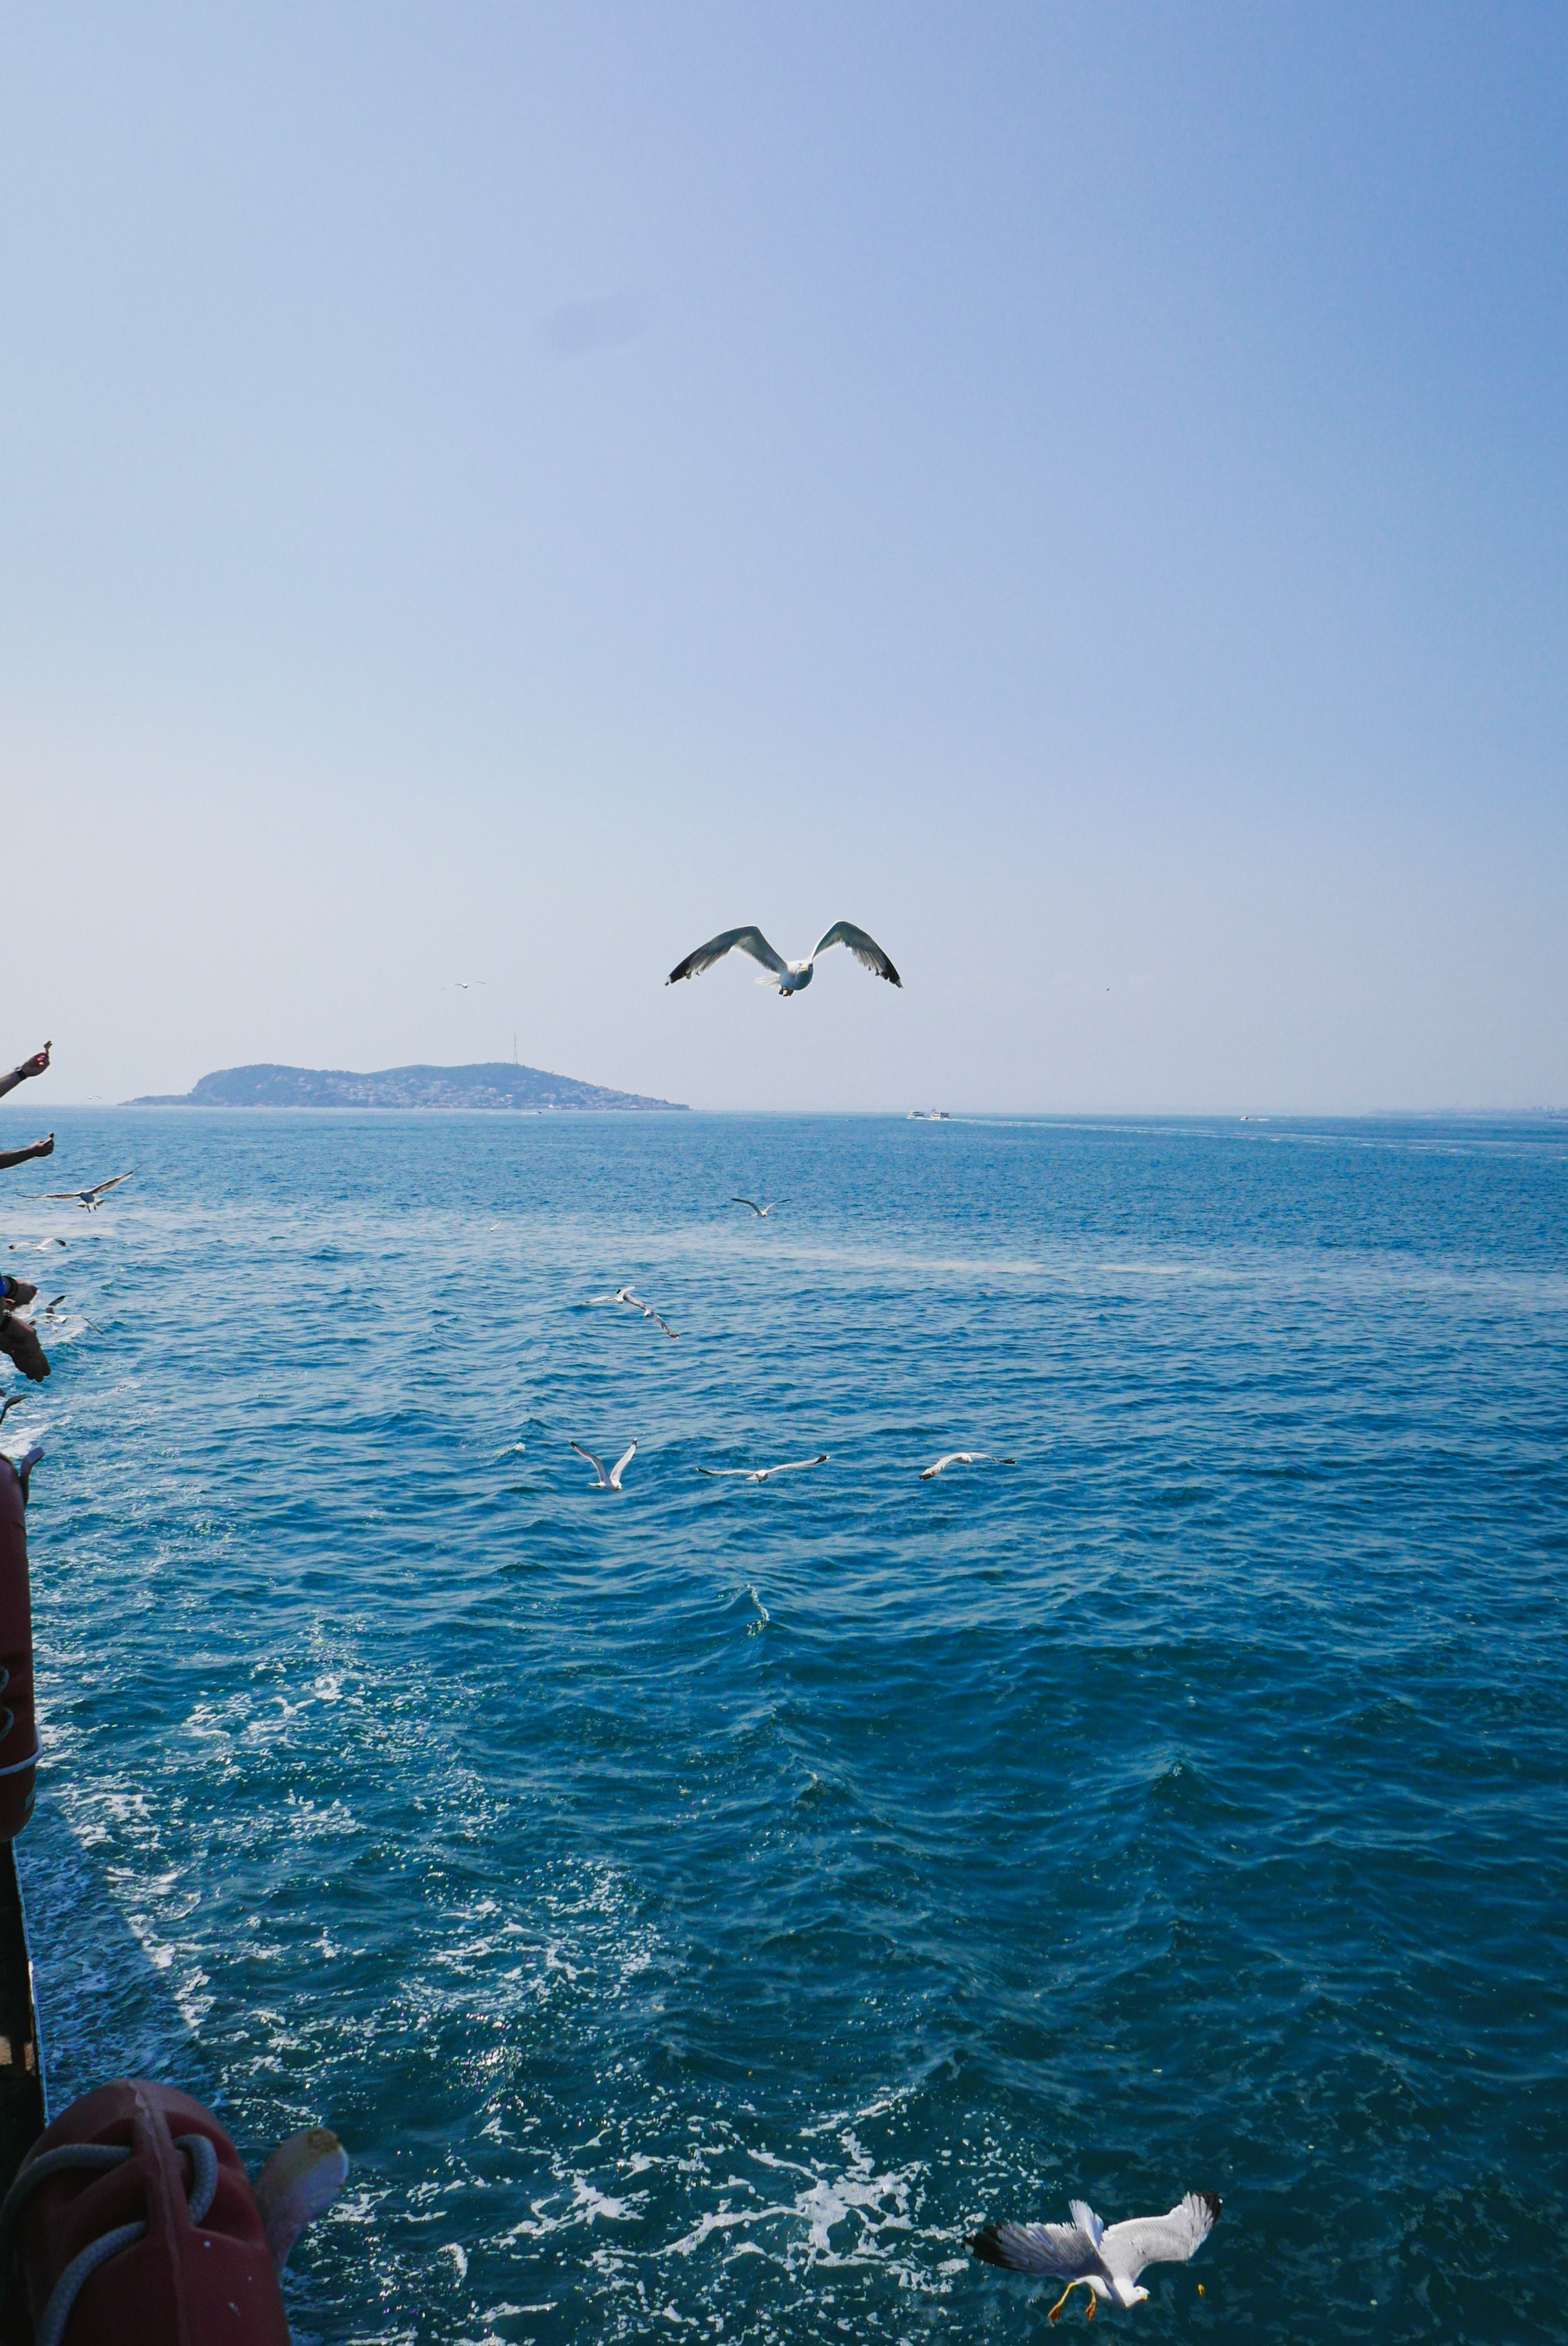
point(21, 1155)
point(33, 1067)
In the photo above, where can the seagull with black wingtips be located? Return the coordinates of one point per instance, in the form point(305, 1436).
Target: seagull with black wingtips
point(764, 1473)
point(1105, 2259)
point(91, 1199)
point(609, 1477)
point(787, 977)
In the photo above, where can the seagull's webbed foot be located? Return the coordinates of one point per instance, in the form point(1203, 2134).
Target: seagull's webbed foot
point(1056, 2311)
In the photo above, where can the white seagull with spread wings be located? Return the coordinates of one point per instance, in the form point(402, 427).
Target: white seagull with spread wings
point(91, 1197)
point(765, 1473)
point(761, 1212)
point(624, 1295)
point(1105, 2259)
point(787, 976)
point(609, 1477)
point(963, 1458)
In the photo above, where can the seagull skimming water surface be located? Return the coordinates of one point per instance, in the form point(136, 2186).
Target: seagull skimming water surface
point(636, 1303)
point(761, 1212)
point(765, 1473)
point(964, 1458)
point(1105, 2259)
point(610, 1477)
point(787, 976)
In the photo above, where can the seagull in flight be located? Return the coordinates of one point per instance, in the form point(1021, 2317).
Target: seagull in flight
point(462, 985)
point(51, 1316)
point(91, 1199)
point(787, 976)
point(1105, 2259)
point(963, 1458)
point(610, 1478)
point(761, 1212)
point(765, 1473)
point(624, 1295)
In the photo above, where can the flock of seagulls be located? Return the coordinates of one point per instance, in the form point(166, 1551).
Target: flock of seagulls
point(612, 1480)
point(609, 1479)
point(1105, 2261)
point(788, 977)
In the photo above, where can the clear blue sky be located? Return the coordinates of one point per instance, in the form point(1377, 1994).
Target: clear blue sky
point(503, 492)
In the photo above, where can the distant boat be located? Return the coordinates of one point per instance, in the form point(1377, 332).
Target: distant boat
point(929, 1116)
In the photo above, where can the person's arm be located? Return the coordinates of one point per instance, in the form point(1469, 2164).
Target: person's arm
point(21, 1155)
point(33, 1067)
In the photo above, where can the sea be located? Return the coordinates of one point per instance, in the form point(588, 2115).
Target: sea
point(699, 1909)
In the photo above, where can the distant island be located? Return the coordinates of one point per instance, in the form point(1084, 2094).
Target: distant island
point(499, 1083)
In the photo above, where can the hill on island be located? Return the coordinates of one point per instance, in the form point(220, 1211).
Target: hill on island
point(499, 1083)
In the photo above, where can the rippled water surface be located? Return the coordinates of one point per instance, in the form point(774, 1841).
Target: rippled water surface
point(697, 1908)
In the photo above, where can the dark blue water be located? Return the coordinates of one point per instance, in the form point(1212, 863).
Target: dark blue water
point(697, 1910)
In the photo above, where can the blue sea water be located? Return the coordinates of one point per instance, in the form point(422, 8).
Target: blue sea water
point(697, 1910)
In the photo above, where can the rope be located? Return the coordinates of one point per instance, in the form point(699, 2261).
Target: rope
point(97, 2158)
point(67, 2288)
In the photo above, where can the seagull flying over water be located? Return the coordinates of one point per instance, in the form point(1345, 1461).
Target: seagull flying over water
point(761, 1212)
point(1105, 2261)
point(963, 1458)
point(610, 1479)
point(91, 1199)
point(787, 976)
point(624, 1295)
point(51, 1316)
point(765, 1473)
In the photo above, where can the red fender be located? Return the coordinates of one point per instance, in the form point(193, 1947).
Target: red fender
point(18, 1728)
point(183, 2284)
